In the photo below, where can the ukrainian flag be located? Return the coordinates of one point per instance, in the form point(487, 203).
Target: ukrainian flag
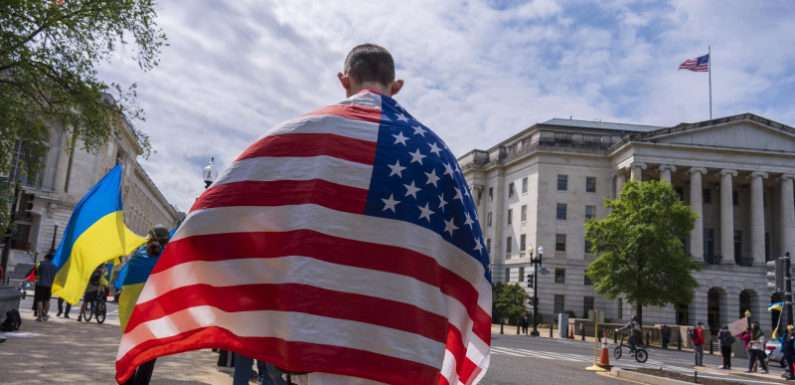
point(136, 271)
point(776, 306)
point(96, 233)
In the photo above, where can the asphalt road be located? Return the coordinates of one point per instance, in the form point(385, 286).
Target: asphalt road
point(523, 360)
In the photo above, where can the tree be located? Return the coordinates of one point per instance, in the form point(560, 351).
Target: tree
point(49, 51)
point(639, 247)
point(509, 302)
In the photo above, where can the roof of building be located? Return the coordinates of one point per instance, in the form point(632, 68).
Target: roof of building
point(600, 125)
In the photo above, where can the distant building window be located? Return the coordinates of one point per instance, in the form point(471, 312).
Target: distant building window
point(738, 244)
point(561, 212)
point(523, 213)
point(510, 216)
point(563, 182)
point(587, 306)
point(709, 244)
point(560, 275)
point(524, 185)
point(560, 303)
point(522, 242)
point(682, 314)
point(508, 245)
point(510, 189)
point(735, 198)
point(707, 194)
point(590, 184)
point(488, 219)
point(680, 192)
point(488, 245)
point(590, 212)
point(587, 246)
point(507, 274)
point(521, 274)
point(491, 193)
point(560, 242)
point(586, 281)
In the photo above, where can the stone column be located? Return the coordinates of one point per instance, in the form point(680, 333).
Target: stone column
point(758, 217)
point(727, 216)
point(636, 171)
point(697, 205)
point(787, 215)
point(665, 172)
point(620, 180)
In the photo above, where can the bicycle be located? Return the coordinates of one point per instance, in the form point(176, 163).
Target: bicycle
point(641, 355)
point(95, 308)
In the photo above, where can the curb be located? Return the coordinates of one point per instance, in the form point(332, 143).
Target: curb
point(645, 378)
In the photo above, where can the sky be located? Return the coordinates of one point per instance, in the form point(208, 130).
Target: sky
point(476, 72)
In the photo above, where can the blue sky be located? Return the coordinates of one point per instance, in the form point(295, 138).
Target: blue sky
point(475, 72)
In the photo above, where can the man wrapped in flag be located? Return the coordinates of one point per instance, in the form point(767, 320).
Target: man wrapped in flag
point(95, 234)
point(344, 244)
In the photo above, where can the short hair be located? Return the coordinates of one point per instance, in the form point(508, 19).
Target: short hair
point(49, 256)
point(370, 63)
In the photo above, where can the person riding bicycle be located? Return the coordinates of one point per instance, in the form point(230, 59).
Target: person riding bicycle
point(96, 288)
point(634, 332)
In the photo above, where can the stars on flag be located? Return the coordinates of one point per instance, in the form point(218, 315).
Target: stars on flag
point(426, 212)
point(448, 170)
point(401, 117)
point(417, 156)
point(396, 169)
point(399, 138)
point(432, 178)
point(458, 195)
point(442, 202)
point(390, 203)
point(468, 220)
point(412, 189)
point(450, 227)
point(418, 130)
point(435, 149)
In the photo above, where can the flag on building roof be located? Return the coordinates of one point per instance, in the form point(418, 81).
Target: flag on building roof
point(699, 64)
point(344, 243)
point(95, 234)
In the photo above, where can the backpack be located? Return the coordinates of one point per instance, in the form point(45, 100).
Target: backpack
point(13, 321)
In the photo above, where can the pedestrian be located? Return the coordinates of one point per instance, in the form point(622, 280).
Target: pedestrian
point(43, 292)
point(525, 324)
point(788, 349)
point(665, 334)
point(756, 345)
point(61, 308)
point(726, 340)
point(698, 343)
point(92, 293)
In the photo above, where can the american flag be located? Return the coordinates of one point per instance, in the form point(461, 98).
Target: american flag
point(699, 64)
point(344, 243)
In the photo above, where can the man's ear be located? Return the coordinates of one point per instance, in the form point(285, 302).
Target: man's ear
point(345, 81)
point(395, 87)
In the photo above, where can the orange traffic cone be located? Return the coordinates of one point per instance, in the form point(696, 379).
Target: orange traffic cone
point(603, 364)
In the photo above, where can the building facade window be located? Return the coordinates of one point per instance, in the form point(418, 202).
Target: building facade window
point(507, 274)
point(563, 182)
point(508, 246)
point(707, 195)
point(560, 275)
point(521, 274)
point(585, 280)
point(680, 192)
point(738, 245)
point(510, 189)
point(709, 244)
point(587, 306)
point(587, 247)
point(524, 213)
point(590, 212)
point(560, 242)
point(488, 245)
point(491, 194)
point(682, 314)
point(522, 242)
point(488, 219)
point(561, 211)
point(510, 216)
point(560, 303)
point(735, 198)
point(524, 185)
point(590, 184)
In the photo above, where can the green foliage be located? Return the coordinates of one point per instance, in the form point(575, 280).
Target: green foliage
point(639, 247)
point(509, 302)
point(49, 50)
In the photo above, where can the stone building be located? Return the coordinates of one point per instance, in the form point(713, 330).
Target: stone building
point(47, 198)
point(538, 187)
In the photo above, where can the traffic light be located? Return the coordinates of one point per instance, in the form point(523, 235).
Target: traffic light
point(26, 206)
point(775, 275)
point(530, 281)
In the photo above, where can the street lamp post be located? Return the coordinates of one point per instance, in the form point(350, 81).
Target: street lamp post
point(536, 261)
point(208, 173)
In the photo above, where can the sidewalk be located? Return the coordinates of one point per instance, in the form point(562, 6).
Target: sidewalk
point(63, 351)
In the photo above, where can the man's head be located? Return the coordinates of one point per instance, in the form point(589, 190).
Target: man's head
point(49, 256)
point(158, 238)
point(369, 66)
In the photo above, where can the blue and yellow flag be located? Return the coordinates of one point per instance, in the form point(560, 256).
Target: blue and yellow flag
point(96, 233)
point(136, 271)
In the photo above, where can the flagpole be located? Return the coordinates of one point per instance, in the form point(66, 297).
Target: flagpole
point(709, 70)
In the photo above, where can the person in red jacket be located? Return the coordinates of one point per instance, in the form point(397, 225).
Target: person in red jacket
point(698, 343)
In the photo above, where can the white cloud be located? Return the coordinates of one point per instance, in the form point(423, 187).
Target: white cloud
point(475, 73)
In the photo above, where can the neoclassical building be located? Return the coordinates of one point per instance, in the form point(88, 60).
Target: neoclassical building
point(68, 172)
point(538, 187)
